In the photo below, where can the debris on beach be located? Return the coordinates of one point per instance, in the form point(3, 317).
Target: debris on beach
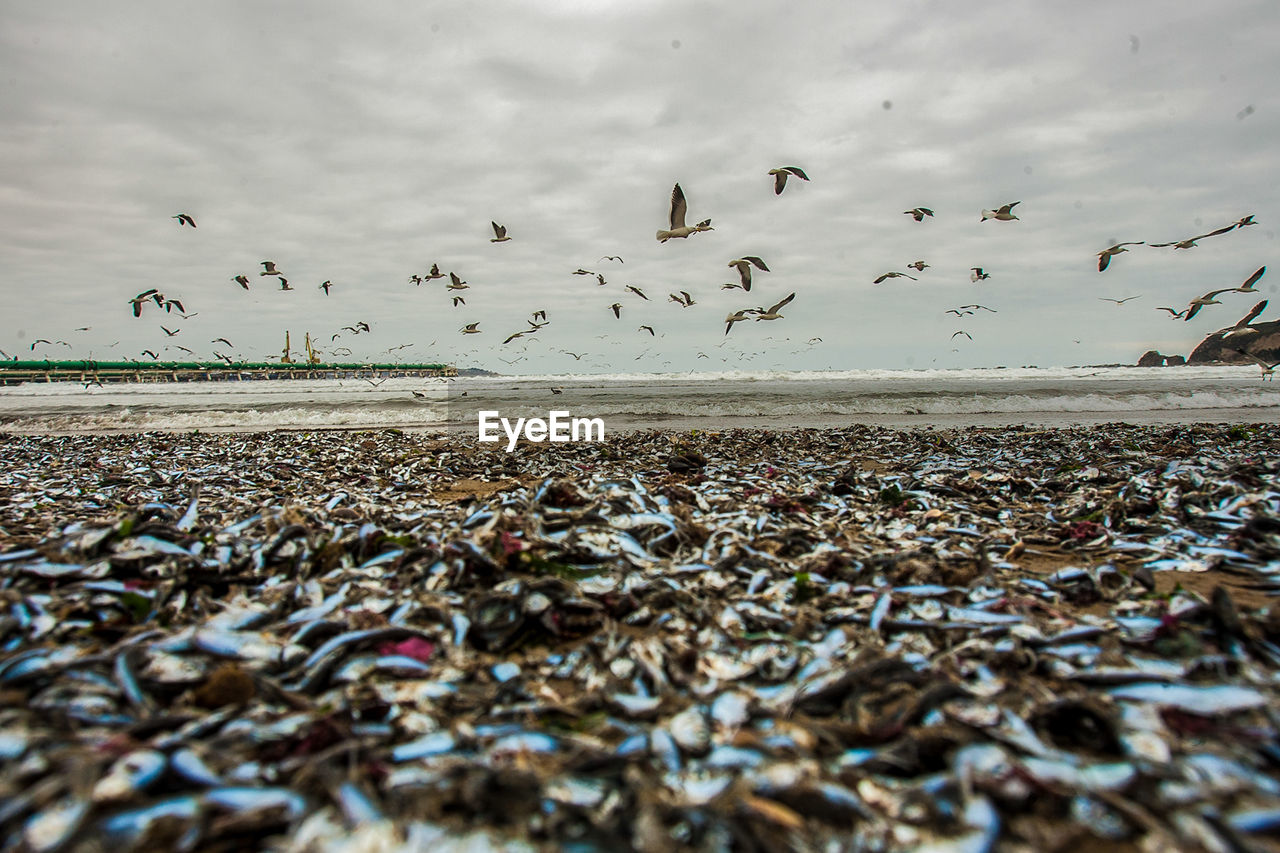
point(740, 640)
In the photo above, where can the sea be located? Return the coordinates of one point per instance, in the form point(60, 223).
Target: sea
point(624, 402)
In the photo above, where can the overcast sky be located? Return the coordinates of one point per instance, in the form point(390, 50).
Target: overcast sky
point(361, 143)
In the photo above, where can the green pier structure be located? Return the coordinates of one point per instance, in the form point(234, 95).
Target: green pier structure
point(17, 372)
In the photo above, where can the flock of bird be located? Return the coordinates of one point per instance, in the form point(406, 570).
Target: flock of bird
point(677, 228)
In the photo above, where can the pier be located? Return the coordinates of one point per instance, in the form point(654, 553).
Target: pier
point(17, 372)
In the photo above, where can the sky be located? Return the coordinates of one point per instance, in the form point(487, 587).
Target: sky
point(361, 143)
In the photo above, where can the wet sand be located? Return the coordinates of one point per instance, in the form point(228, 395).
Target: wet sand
point(763, 639)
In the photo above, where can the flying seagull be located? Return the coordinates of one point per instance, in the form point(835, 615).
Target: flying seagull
point(983, 307)
point(648, 329)
point(637, 291)
point(616, 308)
point(613, 258)
point(1176, 314)
point(683, 299)
point(325, 285)
point(455, 283)
point(223, 340)
point(577, 356)
point(470, 329)
point(142, 297)
point(918, 266)
point(744, 265)
point(1119, 301)
point(1190, 242)
point(958, 312)
point(1242, 327)
point(242, 280)
point(269, 268)
point(600, 282)
point(1193, 308)
point(499, 232)
point(772, 313)
point(540, 315)
point(284, 284)
point(978, 275)
point(459, 300)
point(1248, 286)
point(1104, 257)
point(736, 317)
point(889, 275)
point(1245, 221)
point(513, 336)
point(780, 177)
point(166, 330)
point(184, 219)
point(679, 207)
point(581, 271)
point(1004, 214)
point(962, 332)
point(918, 213)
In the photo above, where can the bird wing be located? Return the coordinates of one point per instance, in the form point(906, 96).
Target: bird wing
point(1008, 208)
point(881, 278)
point(678, 208)
point(1253, 358)
point(775, 308)
point(1104, 258)
point(453, 277)
point(797, 171)
point(1215, 233)
point(779, 181)
point(498, 230)
point(1253, 312)
point(755, 260)
point(1161, 245)
point(1253, 278)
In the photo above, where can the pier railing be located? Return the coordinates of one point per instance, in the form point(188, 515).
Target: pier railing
point(16, 372)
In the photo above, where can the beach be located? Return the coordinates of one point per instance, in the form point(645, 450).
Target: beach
point(1014, 638)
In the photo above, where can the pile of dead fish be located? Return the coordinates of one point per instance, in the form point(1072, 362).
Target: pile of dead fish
point(862, 639)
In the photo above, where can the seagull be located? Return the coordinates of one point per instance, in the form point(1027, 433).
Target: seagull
point(1119, 301)
point(918, 266)
point(889, 275)
point(284, 284)
point(744, 268)
point(184, 219)
point(1246, 221)
point(456, 283)
point(962, 332)
point(1268, 369)
point(918, 213)
point(513, 336)
point(142, 297)
point(601, 281)
point(223, 340)
point(242, 280)
point(1004, 214)
point(613, 258)
point(577, 356)
point(416, 279)
point(1242, 327)
point(1190, 242)
point(1176, 314)
point(957, 312)
point(154, 356)
point(772, 313)
point(648, 329)
point(983, 307)
point(616, 308)
point(500, 233)
point(169, 333)
point(325, 285)
point(1193, 308)
point(269, 268)
point(40, 341)
point(581, 271)
point(684, 300)
point(557, 390)
point(730, 285)
point(736, 317)
point(812, 341)
point(978, 275)
point(184, 349)
point(637, 291)
point(470, 329)
point(533, 327)
point(1104, 257)
point(459, 300)
point(678, 209)
point(1248, 286)
point(780, 177)
point(434, 274)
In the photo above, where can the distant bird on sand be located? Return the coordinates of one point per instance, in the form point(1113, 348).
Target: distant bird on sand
point(918, 266)
point(978, 275)
point(1268, 368)
point(890, 275)
point(780, 177)
point(744, 265)
point(557, 390)
point(471, 329)
point(616, 308)
point(679, 207)
point(1004, 214)
point(1104, 257)
point(772, 313)
point(1119, 301)
point(918, 213)
point(499, 232)
point(242, 280)
point(184, 219)
point(269, 268)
